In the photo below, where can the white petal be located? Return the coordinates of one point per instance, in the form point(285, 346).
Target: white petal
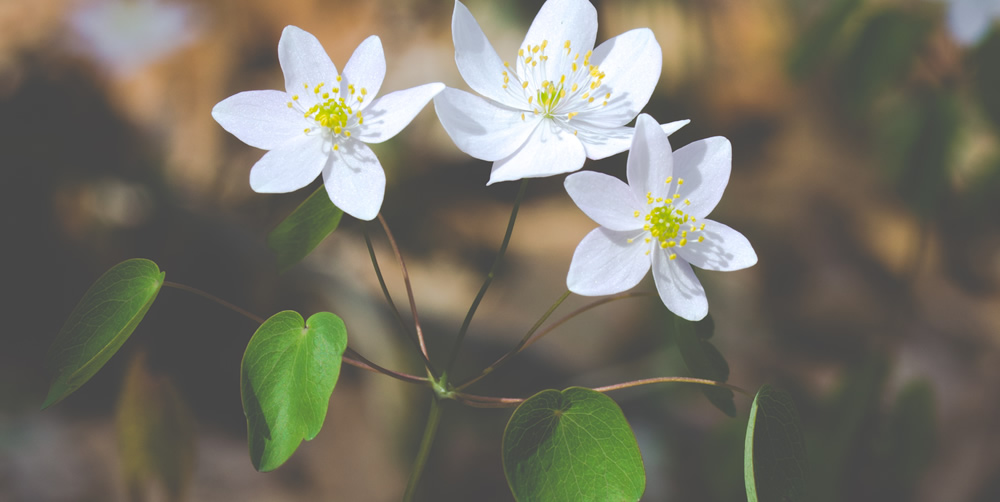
point(260, 119)
point(602, 143)
point(549, 150)
point(723, 249)
point(481, 128)
point(290, 166)
point(632, 63)
point(650, 160)
point(969, 20)
point(561, 20)
point(303, 61)
point(365, 69)
point(355, 181)
point(704, 165)
point(605, 199)
point(605, 263)
point(475, 57)
point(388, 115)
point(679, 289)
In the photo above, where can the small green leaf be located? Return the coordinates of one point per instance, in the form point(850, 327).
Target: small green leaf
point(817, 40)
point(288, 372)
point(704, 360)
point(105, 317)
point(304, 229)
point(573, 446)
point(774, 457)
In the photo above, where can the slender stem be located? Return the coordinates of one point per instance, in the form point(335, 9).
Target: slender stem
point(499, 362)
point(245, 313)
point(433, 421)
point(597, 303)
point(409, 289)
point(489, 278)
point(392, 304)
point(486, 401)
point(648, 381)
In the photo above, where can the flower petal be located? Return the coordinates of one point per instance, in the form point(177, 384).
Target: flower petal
point(602, 143)
point(475, 57)
point(679, 288)
point(290, 166)
point(650, 160)
point(260, 119)
point(365, 69)
point(561, 20)
point(481, 128)
point(303, 61)
point(388, 115)
point(549, 150)
point(605, 263)
point(631, 62)
point(355, 181)
point(723, 249)
point(704, 165)
point(605, 199)
point(969, 20)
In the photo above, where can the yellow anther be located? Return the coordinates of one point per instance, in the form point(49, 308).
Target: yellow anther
point(677, 195)
point(306, 130)
point(574, 68)
point(545, 43)
point(335, 89)
point(701, 238)
point(629, 241)
point(364, 92)
point(669, 179)
point(585, 95)
point(607, 96)
point(573, 89)
point(636, 213)
point(687, 202)
point(524, 85)
point(673, 256)
point(591, 100)
point(570, 115)
point(659, 199)
point(702, 226)
point(338, 78)
point(534, 63)
point(326, 95)
point(520, 52)
point(683, 242)
point(337, 129)
point(604, 103)
point(663, 245)
point(534, 50)
point(347, 133)
point(295, 97)
point(648, 240)
point(530, 98)
point(680, 181)
point(575, 132)
point(289, 104)
point(647, 252)
point(522, 116)
point(336, 147)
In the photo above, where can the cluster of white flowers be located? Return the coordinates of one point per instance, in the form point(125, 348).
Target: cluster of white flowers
point(560, 102)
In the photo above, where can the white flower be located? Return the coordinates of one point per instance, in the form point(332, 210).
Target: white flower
point(969, 20)
point(657, 219)
point(321, 122)
point(559, 103)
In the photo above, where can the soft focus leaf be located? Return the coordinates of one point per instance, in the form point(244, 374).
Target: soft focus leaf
point(924, 175)
point(105, 317)
point(304, 229)
point(882, 55)
point(704, 360)
point(814, 46)
point(156, 436)
point(987, 76)
point(910, 437)
point(289, 370)
point(573, 446)
point(775, 467)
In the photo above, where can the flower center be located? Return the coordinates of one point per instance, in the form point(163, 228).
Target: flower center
point(333, 113)
point(579, 87)
point(668, 223)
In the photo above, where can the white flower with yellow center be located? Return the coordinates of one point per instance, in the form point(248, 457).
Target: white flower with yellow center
point(321, 122)
point(657, 220)
point(560, 102)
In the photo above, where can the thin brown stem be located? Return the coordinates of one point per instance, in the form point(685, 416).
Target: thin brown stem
point(354, 359)
point(208, 296)
point(409, 290)
point(583, 309)
point(487, 402)
point(648, 381)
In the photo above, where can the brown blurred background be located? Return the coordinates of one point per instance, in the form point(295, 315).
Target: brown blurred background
point(865, 173)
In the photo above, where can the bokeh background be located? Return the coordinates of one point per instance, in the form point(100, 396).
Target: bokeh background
point(866, 172)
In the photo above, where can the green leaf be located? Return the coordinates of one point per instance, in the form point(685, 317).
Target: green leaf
point(573, 446)
point(288, 372)
point(910, 437)
point(105, 317)
point(816, 42)
point(304, 229)
point(704, 360)
point(775, 467)
point(156, 436)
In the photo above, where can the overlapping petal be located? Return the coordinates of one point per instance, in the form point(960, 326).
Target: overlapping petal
point(389, 114)
point(477, 61)
point(481, 128)
point(260, 119)
point(605, 199)
point(602, 142)
point(289, 167)
point(303, 61)
point(632, 62)
point(561, 20)
point(605, 263)
point(723, 249)
point(705, 166)
point(679, 289)
point(365, 69)
point(549, 150)
point(355, 181)
point(650, 160)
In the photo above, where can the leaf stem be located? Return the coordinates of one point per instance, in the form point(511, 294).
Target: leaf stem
point(700, 381)
point(409, 290)
point(245, 313)
point(489, 278)
point(430, 431)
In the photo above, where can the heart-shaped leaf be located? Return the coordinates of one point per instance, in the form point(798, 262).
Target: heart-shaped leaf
point(303, 230)
point(288, 372)
point(704, 360)
point(774, 456)
point(573, 446)
point(105, 317)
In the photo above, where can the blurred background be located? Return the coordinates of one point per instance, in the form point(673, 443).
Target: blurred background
point(866, 173)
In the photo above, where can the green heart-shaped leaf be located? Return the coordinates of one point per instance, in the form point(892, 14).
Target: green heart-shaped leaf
point(288, 372)
point(105, 317)
point(774, 456)
point(704, 360)
point(303, 230)
point(573, 446)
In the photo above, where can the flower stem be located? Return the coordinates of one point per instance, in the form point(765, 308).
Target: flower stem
point(700, 381)
point(208, 296)
point(489, 278)
point(430, 431)
point(409, 290)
